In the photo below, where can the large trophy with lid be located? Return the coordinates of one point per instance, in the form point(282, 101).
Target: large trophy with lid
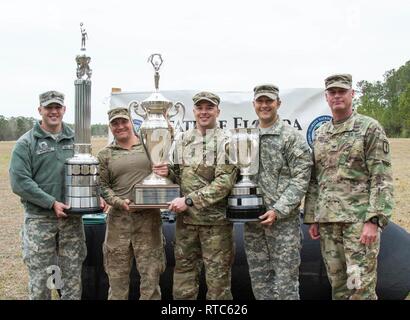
point(82, 180)
point(245, 203)
point(157, 135)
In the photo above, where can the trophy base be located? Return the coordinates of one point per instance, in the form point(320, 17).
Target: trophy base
point(245, 208)
point(82, 211)
point(154, 196)
point(244, 214)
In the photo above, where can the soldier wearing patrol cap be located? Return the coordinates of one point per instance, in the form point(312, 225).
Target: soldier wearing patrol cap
point(203, 234)
point(273, 245)
point(350, 195)
point(53, 243)
point(130, 232)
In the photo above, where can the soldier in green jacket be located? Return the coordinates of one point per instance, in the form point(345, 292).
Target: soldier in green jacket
point(350, 195)
point(53, 243)
point(203, 234)
point(130, 232)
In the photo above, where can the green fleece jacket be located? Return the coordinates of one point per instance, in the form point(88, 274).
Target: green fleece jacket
point(37, 169)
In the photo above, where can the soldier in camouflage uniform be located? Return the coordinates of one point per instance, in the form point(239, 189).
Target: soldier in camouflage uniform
point(350, 196)
point(130, 232)
point(273, 245)
point(52, 241)
point(203, 234)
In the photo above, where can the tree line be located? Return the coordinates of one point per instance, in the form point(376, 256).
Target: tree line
point(12, 128)
point(388, 101)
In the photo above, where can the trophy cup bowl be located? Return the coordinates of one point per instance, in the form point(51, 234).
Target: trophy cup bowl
point(82, 182)
point(245, 203)
point(156, 133)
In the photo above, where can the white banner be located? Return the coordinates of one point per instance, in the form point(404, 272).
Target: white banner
point(304, 109)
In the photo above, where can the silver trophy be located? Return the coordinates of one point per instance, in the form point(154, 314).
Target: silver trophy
point(157, 135)
point(245, 203)
point(82, 181)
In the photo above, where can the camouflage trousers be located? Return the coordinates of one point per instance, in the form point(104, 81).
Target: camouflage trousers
point(54, 251)
point(208, 246)
point(129, 236)
point(351, 266)
point(273, 255)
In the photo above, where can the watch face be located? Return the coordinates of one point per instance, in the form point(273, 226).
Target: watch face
point(189, 202)
point(374, 220)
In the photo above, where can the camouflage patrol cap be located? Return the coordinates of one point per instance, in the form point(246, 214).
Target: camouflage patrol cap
point(49, 97)
point(267, 90)
point(341, 80)
point(208, 96)
point(119, 112)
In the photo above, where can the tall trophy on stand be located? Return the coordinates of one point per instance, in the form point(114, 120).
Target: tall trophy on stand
point(157, 135)
point(245, 203)
point(82, 181)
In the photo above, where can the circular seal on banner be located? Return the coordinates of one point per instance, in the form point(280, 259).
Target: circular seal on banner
point(137, 124)
point(316, 123)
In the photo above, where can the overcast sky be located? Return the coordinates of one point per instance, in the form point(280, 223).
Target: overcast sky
point(206, 45)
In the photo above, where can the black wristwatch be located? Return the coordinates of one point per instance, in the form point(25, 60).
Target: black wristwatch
point(189, 202)
point(375, 220)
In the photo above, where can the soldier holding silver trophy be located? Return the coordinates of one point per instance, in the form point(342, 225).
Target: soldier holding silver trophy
point(273, 245)
point(131, 232)
point(134, 227)
point(203, 234)
point(56, 189)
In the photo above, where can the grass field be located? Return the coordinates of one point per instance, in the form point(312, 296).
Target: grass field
point(13, 273)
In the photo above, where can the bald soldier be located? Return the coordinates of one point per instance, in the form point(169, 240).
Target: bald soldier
point(350, 195)
point(130, 232)
point(273, 245)
point(203, 234)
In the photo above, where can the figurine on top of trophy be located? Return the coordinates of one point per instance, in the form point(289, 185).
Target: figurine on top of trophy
point(82, 60)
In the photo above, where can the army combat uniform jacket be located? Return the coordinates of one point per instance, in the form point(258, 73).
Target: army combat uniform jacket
point(206, 183)
point(285, 167)
point(352, 178)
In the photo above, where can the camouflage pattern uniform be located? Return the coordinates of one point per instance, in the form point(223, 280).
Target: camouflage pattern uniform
point(273, 252)
point(137, 233)
point(37, 176)
point(48, 242)
point(351, 183)
point(203, 235)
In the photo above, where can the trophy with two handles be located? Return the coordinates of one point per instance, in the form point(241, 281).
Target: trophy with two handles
point(157, 135)
point(245, 203)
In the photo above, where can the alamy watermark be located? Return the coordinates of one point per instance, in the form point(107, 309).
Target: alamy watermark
point(209, 149)
point(54, 280)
